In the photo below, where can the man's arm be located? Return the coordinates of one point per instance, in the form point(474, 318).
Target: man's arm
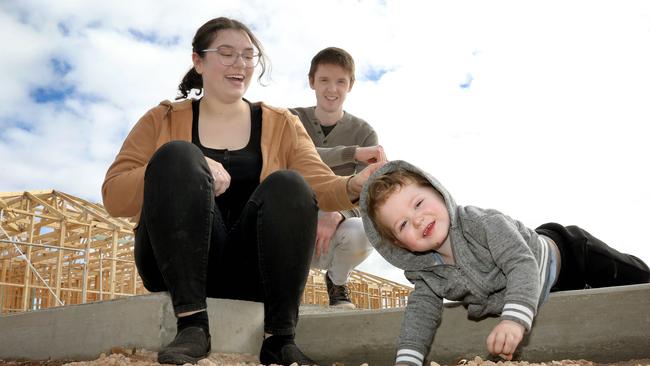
point(337, 155)
point(369, 152)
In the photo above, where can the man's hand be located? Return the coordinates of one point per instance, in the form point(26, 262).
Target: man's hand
point(327, 224)
point(504, 339)
point(370, 154)
point(220, 177)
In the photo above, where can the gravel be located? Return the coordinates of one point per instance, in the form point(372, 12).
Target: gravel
point(124, 357)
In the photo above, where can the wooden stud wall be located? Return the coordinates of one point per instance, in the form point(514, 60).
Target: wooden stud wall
point(57, 249)
point(367, 291)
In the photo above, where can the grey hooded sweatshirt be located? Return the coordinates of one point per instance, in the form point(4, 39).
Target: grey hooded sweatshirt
point(500, 268)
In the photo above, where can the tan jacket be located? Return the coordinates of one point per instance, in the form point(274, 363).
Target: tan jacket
point(285, 145)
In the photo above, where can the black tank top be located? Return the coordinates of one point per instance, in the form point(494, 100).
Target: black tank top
point(244, 165)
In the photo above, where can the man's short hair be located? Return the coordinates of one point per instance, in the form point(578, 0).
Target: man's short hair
point(334, 56)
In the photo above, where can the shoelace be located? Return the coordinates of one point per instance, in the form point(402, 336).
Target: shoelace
point(340, 292)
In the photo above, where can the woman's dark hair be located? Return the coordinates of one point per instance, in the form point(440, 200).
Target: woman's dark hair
point(202, 40)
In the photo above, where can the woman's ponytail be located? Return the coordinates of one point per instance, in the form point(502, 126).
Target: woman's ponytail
point(191, 80)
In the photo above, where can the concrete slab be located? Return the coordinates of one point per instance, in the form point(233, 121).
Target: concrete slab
point(602, 325)
point(82, 332)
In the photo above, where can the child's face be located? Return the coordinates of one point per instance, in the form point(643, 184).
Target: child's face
point(417, 216)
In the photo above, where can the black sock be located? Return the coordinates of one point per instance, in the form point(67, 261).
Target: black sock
point(199, 319)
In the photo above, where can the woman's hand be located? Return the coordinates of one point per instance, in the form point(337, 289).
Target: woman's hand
point(220, 177)
point(504, 339)
point(356, 182)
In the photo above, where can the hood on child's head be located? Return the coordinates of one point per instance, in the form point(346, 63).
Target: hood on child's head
point(395, 255)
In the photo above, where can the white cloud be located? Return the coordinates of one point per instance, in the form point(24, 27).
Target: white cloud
point(23, 64)
point(552, 127)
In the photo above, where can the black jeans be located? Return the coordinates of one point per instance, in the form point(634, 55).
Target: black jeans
point(588, 262)
point(182, 245)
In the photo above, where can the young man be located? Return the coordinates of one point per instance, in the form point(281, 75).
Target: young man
point(346, 144)
point(490, 262)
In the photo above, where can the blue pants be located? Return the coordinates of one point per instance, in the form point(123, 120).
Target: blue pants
point(182, 245)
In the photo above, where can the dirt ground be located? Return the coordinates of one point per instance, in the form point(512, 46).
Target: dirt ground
point(122, 357)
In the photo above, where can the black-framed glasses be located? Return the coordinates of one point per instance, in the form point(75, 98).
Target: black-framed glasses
point(227, 56)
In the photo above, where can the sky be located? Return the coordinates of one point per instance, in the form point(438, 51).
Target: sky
point(536, 108)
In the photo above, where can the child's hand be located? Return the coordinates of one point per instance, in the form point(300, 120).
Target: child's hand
point(504, 339)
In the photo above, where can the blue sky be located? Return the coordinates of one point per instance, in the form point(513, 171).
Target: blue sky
point(536, 108)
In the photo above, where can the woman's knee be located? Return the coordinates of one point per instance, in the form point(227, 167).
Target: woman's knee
point(289, 189)
point(176, 152)
point(286, 179)
point(178, 158)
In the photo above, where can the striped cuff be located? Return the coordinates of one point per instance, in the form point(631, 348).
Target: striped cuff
point(520, 313)
point(409, 357)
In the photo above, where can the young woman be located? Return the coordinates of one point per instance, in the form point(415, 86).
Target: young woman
point(218, 186)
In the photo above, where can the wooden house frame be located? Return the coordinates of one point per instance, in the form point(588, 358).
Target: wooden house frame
point(57, 249)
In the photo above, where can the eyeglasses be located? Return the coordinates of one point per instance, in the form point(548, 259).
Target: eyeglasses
point(227, 56)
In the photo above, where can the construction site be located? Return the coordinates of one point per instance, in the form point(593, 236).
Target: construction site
point(69, 290)
point(57, 249)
